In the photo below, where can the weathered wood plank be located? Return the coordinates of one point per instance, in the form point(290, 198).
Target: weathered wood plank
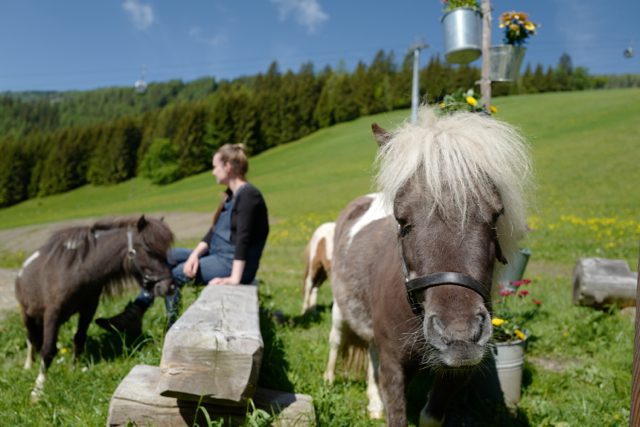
point(599, 282)
point(135, 401)
point(214, 350)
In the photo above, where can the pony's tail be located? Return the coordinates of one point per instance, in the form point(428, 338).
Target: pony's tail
point(354, 353)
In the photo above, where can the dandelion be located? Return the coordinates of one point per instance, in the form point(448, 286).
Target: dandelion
point(520, 334)
point(496, 321)
point(493, 109)
point(472, 101)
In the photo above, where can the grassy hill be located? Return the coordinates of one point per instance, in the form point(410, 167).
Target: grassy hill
point(586, 153)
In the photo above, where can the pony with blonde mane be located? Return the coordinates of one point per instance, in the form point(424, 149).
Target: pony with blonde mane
point(413, 265)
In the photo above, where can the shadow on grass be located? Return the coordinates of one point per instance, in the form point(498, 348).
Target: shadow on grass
point(275, 366)
point(109, 346)
point(479, 404)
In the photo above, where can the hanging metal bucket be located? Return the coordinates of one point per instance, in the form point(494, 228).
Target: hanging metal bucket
point(462, 35)
point(506, 60)
point(514, 270)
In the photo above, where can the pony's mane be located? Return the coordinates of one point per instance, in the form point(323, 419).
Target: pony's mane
point(156, 235)
point(464, 158)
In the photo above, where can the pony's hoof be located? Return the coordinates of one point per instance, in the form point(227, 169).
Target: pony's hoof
point(35, 395)
point(376, 415)
point(27, 365)
point(426, 420)
point(328, 378)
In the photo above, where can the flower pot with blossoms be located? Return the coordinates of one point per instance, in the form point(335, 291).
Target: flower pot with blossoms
point(506, 59)
point(462, 100)
point(511, 313)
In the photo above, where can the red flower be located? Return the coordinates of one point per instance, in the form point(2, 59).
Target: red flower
point(517, 283)
point(536, 301)
point(505, 293)
point(526, 281)
point(523, 293)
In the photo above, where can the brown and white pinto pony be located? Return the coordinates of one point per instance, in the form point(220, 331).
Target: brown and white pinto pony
point(451, 203)
point(317, 257)
point(69, 272)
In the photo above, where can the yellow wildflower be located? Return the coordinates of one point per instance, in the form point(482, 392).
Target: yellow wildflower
point(493, 109)
point(496, 321)
point(472, 101)
point(520, 334)
point(529, 26)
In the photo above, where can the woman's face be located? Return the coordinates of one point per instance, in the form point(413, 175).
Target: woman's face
point(221, 170)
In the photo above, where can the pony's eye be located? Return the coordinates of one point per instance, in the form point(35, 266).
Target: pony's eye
point(403, 227)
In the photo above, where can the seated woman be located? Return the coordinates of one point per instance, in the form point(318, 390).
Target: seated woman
point(228, 254)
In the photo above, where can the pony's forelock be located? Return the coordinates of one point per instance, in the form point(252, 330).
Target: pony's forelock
point(464, 158)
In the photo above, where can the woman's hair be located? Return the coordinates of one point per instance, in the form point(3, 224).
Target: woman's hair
point(236, 156)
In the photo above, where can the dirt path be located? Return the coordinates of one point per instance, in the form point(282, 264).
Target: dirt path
point(185, 226)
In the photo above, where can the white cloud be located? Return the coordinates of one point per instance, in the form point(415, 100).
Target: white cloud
point(307, 13)
point(215, 40)
point(141, 14)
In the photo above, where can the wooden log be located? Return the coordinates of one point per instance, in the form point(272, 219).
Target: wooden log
point(214, 350)
point(599, 282)
point(136, 402)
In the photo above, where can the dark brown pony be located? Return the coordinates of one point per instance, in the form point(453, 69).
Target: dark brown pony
point(413, 265)
point(68, 274)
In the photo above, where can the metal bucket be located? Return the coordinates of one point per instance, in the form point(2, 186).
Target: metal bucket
point(462, 35)
point(514, 270)
point(509, 364)
point(506, 60)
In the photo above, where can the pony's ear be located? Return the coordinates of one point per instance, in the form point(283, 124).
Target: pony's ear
point(142, 222)
point(381, 135)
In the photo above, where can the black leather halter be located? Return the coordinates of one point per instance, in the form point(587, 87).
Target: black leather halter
point(147, 280)
point(441, 278)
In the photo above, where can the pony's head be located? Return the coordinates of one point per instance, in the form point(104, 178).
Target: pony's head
point(455, 186)
point(148, 241)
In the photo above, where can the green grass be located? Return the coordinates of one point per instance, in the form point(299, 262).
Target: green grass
point(578, 370)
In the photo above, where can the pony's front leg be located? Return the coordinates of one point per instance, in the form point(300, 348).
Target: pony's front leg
point(391, 379)
point(84, 320)
point(308, 287)
point(442, 391)
point(335, 340)
point(375, 407)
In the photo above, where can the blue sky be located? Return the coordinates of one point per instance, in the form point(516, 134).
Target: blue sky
point(86, 44)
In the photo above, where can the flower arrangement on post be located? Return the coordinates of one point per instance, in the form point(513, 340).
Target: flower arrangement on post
point(461, 100)
point(450, 5)
point(512, 312)
point(517, 27)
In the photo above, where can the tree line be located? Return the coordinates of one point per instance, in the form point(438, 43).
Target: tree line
point(53, 142)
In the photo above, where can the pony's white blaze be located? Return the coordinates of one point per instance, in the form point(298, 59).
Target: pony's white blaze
point(28, 261)
point(376, 211)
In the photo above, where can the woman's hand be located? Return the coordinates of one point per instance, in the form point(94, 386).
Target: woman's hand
point(191, 266)
point(222, 281)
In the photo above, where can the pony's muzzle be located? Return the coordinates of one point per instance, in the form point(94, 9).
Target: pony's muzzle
point(165, 287)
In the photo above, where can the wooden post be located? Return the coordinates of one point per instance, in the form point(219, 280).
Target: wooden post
point(485, 81)
point(634, 419)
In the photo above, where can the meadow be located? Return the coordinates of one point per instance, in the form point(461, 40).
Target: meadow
point(586, 203)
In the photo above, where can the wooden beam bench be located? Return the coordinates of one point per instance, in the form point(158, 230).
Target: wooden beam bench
point(600, 282)
point(135, 402)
